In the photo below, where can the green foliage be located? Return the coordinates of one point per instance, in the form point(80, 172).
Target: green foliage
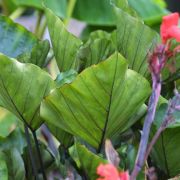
point(97, 108)
point(23, 87)
point(65, 45)
point(15, 39)
point(58, 6)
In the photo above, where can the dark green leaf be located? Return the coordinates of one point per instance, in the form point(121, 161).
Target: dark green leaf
point(100, 103)
point(3, 168)
point(65, 45)
point(134, 41)
point(22, 88)
point(15, 39)
point(15, 140)
point(15, 164)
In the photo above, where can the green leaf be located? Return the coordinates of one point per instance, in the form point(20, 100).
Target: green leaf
point(62, 136)
point(22, 88)
point(3, 168)
point(65, 77)
point(86, 160)
point(150, 12)
point(99, 103)
point(15, 140)
point(57, 6)
point(166, 152)
point(134, 41)
point(65, 45)
point(94, 12)
point(98, 48)
point(15, 164)
point(38, 54)
point(15, 39)
point(7, 123)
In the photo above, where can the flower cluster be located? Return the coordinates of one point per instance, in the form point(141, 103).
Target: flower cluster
point(109, 172)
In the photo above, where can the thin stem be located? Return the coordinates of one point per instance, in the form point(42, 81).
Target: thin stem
point(17, 13)
point(70, 9)
point(39, 155)
point(34, 167)
point(38, 23)
point(146, 129)
point(42, 29)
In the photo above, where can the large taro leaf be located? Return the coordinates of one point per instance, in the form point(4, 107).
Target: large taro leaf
point(65, 45)
point(86, 160)
point(101, 12)
point(57, 6)
point(22, 88)
point(165, 153)
point(99, 103)
point(15, 39)
point(134, 41)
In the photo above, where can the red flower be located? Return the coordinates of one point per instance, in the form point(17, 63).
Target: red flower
point(169, 28)
point(109, 172)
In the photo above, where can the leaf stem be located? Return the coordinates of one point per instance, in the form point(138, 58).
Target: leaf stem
point(70, 9)
point(17, 13)
point(38, 22)
point(34, 167)
point(39, 154)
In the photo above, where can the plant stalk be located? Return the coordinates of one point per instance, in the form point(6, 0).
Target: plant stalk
point(146, 128)
point(34, 167)
point(39, 155)
point(17, 13)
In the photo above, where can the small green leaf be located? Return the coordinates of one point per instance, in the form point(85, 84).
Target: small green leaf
point(86, 160)
point(100, 103)
point(38, 54)
point(22, 88)
point(65, 45)
point(15, 39)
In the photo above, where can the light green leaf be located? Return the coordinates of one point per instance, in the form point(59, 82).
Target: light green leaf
point(86, 160)
point(65, 45)
point(99, 103)
point(22, 88)
point(15, 39)
point(8, 123)
point(57, 6)
point(38, 54)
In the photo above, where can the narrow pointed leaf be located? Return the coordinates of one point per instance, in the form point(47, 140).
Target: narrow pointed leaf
point(22, 88)
point(65, 45)
point(15, 39)
point(99, 103)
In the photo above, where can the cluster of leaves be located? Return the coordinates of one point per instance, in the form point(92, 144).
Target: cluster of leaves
point(100, 92)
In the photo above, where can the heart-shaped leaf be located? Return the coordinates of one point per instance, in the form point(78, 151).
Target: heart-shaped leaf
point(22, 88)
point(99, 103)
